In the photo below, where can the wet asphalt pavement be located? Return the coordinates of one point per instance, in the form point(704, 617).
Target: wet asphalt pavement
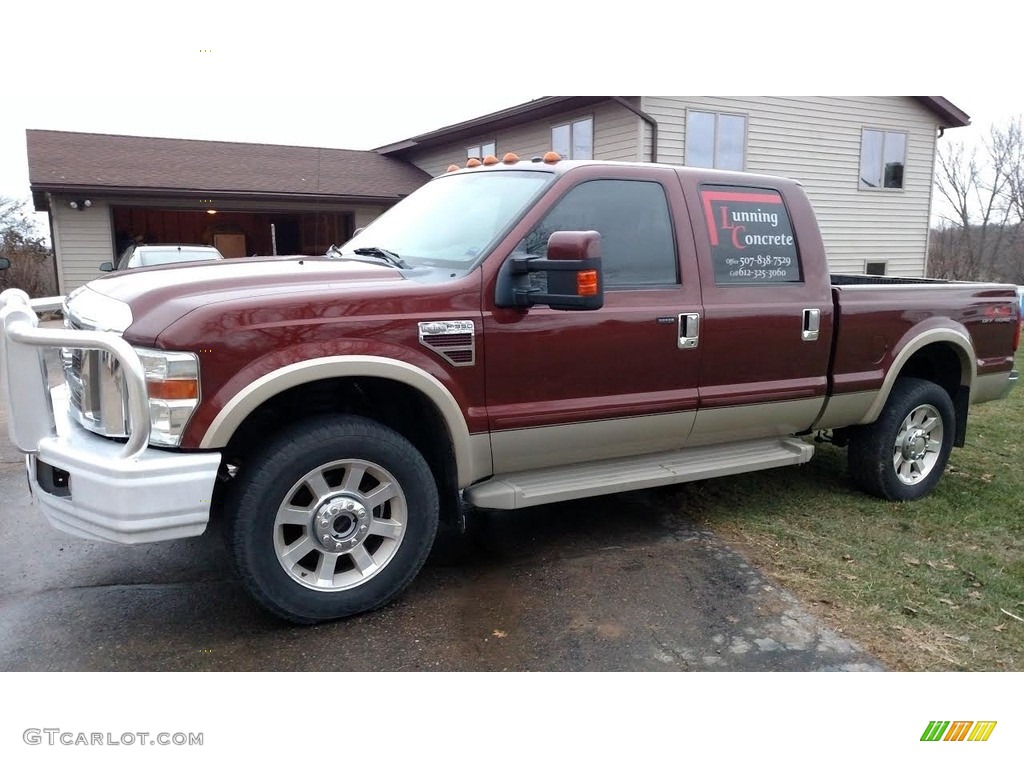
point(625, 582)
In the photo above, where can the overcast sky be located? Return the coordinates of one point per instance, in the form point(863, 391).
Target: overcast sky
point(359, 75)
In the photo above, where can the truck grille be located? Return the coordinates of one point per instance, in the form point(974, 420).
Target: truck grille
point(95, 386)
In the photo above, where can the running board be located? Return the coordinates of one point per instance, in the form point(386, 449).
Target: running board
point(577, 481)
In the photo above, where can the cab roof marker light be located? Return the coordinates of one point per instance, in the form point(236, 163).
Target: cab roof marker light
point(552, 157)
point(490, 160)
point(473, 163)
point(510, 158)
point(452, 167)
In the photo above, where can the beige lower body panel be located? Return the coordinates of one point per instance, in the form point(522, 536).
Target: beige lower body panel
point(524, 449)
point(747, 422)
point(546, 486)
point(846, 410)
point(991, 386)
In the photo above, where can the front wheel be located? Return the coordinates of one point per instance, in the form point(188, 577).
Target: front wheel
point(335, 517)
point(903, 454)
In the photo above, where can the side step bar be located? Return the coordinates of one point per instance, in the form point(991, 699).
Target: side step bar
point(577, 481)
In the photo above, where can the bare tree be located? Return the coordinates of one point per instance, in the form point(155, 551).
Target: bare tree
point(981, 238)
point(31, 259)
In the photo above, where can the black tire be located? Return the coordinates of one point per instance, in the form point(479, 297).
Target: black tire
point(873, 448)
point(329, 448)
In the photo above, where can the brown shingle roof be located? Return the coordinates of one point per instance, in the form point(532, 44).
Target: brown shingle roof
point(62, 160)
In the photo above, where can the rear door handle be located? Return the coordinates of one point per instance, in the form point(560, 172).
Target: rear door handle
point(689, 330)
point(812, 324)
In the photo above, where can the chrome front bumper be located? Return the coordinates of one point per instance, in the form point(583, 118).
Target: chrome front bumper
point(89, 485)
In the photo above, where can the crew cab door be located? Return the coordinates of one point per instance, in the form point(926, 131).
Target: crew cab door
point(573, 386)
point(767, 325)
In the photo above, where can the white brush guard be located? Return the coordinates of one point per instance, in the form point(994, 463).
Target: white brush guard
point(88, 485)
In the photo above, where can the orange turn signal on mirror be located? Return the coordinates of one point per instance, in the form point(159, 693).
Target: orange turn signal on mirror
point(173, 389)
point(586, 283)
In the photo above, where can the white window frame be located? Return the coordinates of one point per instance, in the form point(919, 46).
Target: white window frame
point(570, 124)
point(479, 148)
point(714, 149)
point(883, 262)
point(860, 160)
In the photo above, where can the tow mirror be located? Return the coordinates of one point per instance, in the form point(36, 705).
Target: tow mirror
point(106, 266)
point(5, 263)
point(568, 278)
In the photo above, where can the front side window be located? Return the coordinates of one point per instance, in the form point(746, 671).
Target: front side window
point(637, 245)
point(480, 151)
point(575, 140)
point(452, 220)
point(715, 140)
point(882, 157)
point(752, 241)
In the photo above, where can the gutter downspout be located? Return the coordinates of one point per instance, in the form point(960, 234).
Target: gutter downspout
point(647, 119)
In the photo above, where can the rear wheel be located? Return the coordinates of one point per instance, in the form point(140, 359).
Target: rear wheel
point(902, 455)
point(335, 517)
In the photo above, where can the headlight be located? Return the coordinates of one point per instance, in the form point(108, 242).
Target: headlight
point(172, 381)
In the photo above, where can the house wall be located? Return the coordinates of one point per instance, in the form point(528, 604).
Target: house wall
point(817, 141)
point(616, 137)
point(82, 240)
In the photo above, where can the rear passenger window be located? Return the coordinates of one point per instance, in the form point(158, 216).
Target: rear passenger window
point(752, 239)
point(637, 244)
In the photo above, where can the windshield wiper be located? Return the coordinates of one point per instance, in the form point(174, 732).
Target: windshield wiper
point(379, 253)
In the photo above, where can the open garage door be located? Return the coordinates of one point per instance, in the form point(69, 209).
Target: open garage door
point(235, 233)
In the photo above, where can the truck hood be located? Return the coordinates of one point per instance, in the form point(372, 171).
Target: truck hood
point(159, 296)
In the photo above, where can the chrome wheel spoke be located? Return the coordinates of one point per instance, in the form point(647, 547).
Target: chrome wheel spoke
point(354, 473)
point(363, 560)
point(929, 424)
point(297, 550)
point(292, 515)
point(318, 486)
point(934, 446)
point(384, 492)
point(389, 529)
point(325, 570)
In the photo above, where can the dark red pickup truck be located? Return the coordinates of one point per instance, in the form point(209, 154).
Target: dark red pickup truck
point(512, 334)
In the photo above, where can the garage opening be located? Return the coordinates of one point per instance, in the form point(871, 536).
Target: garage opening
point(234, 233)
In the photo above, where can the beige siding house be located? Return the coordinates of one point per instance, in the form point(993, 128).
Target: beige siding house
point(867, 163)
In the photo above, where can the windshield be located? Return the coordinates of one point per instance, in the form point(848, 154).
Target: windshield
point(153, 258)
point(450, 221)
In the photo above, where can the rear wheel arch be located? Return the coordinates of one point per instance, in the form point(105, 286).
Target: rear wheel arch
point(944, 356)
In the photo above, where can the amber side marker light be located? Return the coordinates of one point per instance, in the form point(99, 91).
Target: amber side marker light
point(586, 283)
point(173, 389)
point(452, 167)
point(552, 157)
point(510, 157)
point(473, 163)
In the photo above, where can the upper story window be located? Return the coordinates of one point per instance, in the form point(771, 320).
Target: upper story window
point(716, 140)
point(480, 151)
point(882, 157)
point(638, 247)
point(575, 140)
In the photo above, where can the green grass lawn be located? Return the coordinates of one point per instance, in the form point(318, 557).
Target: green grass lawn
point(922, 585)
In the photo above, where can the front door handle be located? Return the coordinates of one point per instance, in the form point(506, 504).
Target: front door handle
point(812, 324)
point(689, 330)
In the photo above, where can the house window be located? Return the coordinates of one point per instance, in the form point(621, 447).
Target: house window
point(575, 140)
point(882, 156)
point(874, 267)
point(480, 151)
point(715, 140)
